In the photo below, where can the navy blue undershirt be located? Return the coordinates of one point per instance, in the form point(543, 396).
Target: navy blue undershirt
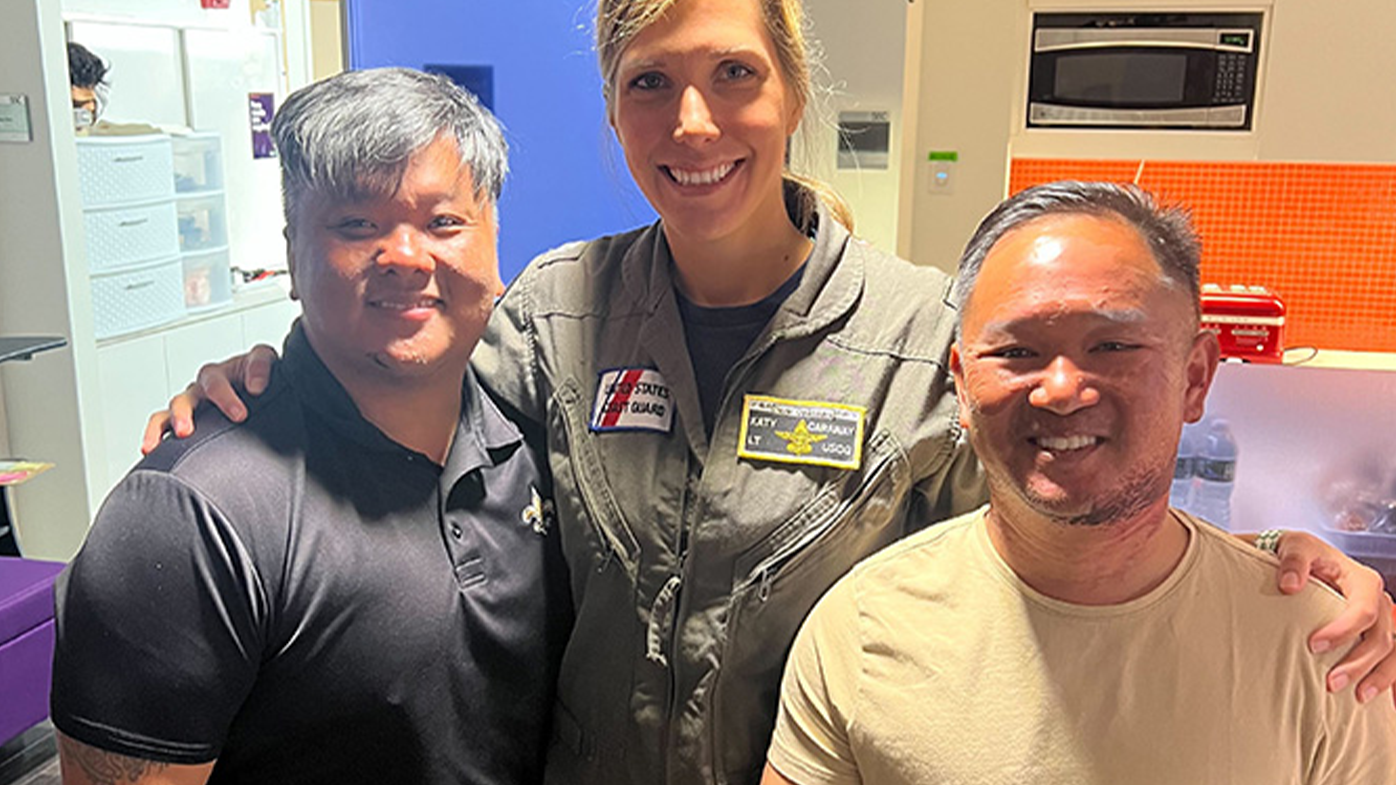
point(718, 337)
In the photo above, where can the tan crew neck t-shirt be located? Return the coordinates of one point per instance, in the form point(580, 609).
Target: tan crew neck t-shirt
point(931, 662)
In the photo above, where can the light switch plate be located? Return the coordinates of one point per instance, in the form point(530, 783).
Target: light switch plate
point(942, 180)
point(14, 118)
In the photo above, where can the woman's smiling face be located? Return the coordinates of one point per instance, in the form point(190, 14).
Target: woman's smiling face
point(703, 110)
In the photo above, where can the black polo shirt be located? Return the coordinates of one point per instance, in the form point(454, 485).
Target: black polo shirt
point(308, 601)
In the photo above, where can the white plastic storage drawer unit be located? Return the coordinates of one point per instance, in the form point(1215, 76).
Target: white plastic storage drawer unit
point(203, 220)
point(131, 220)
point(123, 169)
point(203, 225)
point(130, 234)
point(136, 298)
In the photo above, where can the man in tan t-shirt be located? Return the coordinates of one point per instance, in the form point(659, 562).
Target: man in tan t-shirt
point(1076, 630)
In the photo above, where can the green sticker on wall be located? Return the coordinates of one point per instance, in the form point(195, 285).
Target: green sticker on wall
point(943, 155)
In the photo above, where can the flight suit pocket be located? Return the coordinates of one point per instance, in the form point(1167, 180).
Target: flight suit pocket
point(614, 537)
point(885, 471)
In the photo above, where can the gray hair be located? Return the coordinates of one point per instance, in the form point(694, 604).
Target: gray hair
point(350, 136)
point(1167, 230)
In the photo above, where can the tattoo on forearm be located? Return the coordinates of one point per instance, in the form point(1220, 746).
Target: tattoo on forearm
point(107, 768)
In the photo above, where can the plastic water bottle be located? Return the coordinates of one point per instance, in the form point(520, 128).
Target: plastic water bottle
point(1216, 475)
point(1189, 450)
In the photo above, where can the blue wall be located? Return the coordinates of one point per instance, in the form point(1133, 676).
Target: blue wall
point(568, 179)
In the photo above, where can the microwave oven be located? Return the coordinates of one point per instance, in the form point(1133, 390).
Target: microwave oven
point(1144, 70)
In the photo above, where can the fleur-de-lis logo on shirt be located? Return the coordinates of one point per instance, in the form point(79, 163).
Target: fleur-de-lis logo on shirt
point(539, 512)
point(800, 440)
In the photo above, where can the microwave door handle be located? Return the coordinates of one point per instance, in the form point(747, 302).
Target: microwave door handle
point(1084, 45)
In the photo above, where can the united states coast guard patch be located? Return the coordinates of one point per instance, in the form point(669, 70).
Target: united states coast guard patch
point(809, 432)
point(632, 399)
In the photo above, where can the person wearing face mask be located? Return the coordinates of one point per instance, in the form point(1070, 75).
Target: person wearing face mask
point(738, 403)
point(86, 75)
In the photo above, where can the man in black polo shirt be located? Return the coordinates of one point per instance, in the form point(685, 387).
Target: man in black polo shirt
point(359, 584)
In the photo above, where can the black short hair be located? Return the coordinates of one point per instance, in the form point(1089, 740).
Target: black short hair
point(84, 68)
point(353, 134)
point(1167, 229)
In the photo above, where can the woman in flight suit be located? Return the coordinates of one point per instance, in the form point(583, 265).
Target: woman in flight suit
point(737, 403)
point(740, 401)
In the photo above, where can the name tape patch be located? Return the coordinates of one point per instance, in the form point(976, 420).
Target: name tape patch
point(632, 399)
point(809, 432)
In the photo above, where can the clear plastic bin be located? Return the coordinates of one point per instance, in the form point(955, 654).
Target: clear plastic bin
point(198, 163)
point(203, 223)
point(208, 279)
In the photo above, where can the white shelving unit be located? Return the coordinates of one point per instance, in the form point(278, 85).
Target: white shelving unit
point(83, 407)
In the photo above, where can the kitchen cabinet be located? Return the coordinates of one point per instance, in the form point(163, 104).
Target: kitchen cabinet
point(139, 374)
point(131, 374)
point(268, 325)
point(192, 345)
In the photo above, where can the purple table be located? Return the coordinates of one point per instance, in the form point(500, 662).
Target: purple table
point(26, 642)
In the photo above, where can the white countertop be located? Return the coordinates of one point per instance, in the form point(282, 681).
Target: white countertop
point(1337, 358)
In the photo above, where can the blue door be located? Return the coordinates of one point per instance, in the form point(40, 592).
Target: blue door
point(534, 63)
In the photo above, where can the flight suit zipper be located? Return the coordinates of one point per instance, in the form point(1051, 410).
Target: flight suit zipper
point(669, 659)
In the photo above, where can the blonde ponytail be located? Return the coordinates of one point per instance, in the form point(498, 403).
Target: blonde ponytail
point(815, 191)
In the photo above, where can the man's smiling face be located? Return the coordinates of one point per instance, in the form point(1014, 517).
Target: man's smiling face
point(1077, 364)
point(400, 285)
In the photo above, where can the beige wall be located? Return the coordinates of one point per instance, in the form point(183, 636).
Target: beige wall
point(4, 431)
point(326, 38)
point(47, 398)
point(1328, 91)
point(970, 57)
point(865, 63)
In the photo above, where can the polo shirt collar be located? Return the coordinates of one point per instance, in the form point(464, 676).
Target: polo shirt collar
point(484, 436)
point(481, 433)
point(314, 382)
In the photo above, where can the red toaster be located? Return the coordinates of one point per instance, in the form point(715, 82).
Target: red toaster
point(1248, 320)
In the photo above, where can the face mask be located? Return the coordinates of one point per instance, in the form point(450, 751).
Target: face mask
point(83, 118)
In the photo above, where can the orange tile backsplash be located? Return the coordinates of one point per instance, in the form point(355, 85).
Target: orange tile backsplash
point(1321, 236)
